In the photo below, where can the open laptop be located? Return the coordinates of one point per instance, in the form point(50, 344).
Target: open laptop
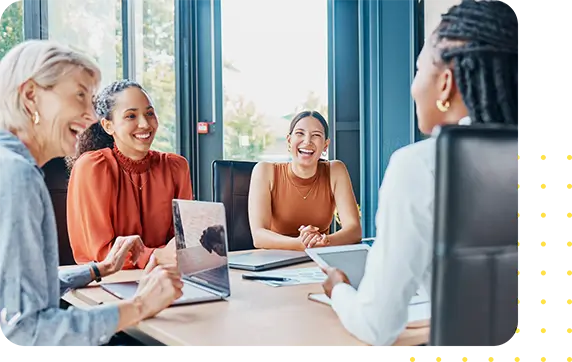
point(201, 243)
point(267, 259)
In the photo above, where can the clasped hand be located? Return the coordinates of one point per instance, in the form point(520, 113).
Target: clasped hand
point(310, 236)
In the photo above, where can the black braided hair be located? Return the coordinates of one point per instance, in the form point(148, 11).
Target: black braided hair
point(95, 137)
point(480, 40)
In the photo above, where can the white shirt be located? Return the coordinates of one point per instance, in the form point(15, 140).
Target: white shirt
point(399, 262)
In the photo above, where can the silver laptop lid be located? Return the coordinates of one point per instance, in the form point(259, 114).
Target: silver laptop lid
point(201, 241)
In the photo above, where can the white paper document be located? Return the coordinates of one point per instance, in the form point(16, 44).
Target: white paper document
point(296, 276)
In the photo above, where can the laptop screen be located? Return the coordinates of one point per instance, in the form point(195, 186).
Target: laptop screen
point(200, 236)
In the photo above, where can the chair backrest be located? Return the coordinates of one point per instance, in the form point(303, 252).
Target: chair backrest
point(231, 182)
point(56, 177)
point(474, 292)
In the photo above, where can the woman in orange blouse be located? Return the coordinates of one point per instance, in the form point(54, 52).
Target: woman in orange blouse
point(118, 186)
point(291, 205)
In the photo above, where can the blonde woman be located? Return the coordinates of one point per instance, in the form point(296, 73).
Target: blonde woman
point(46, 93)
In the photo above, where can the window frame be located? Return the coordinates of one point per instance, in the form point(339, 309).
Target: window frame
point(35, 19)
point(358, 87)
point(388, 50)
point(206, 68)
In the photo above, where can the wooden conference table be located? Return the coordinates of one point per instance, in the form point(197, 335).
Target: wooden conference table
point(255, 314)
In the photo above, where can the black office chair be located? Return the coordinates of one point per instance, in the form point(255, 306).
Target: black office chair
point(474, 292)
point(231, 182)
point(57, 177)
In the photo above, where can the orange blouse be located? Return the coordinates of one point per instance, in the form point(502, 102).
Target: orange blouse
point(110, 195)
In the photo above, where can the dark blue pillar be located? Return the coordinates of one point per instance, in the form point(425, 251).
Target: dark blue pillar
point(387, 40)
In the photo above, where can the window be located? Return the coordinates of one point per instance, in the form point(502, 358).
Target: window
point(11, 27)
point(275, 64)
point(433, 11)
point(155, 64)
point(90, 26)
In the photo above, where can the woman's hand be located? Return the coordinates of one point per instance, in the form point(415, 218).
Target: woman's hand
point(121, 249)
point(310, 236)
point(335, 277)
point(158, 289)
point(163, 256)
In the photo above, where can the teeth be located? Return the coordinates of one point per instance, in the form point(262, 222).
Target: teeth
point(309, 152)
point(143, 136)
point(77, 128)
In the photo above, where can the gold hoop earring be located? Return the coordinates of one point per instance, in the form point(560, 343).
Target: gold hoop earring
point(36, 118)
point(443, 107)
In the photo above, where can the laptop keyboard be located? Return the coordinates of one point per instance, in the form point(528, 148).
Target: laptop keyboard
point(190, 291)
point(217, 276)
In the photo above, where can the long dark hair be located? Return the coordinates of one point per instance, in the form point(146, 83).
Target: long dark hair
point(95, 137)
point(480, 40)
point(314, 114)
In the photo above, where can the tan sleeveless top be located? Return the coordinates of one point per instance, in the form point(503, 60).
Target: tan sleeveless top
point(289, 208)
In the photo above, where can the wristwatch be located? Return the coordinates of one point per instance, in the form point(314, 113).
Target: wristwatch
point(96, 272)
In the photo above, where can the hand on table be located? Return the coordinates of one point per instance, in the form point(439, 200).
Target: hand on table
point(335, 277)
point(310, 236)
point(163, 256)
point(158, 289)
point(123, 246)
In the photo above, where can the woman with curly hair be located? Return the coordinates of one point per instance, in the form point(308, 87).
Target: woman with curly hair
point(118, 186)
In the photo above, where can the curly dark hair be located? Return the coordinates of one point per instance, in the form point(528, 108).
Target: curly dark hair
point(95, 137)
point(213, 239)
point(480, 40)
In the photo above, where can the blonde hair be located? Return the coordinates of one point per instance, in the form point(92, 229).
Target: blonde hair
point(45, 63)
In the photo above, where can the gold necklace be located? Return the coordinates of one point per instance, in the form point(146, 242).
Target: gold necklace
point(311, 188)
point(134, 184)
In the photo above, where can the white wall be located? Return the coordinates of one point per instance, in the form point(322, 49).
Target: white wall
point(433, 11)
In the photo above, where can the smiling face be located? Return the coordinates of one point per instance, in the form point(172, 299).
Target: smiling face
point(65, 111)
point(307, 141)
point(133, 124)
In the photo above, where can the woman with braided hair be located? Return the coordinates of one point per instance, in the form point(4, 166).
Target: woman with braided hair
point(119, 188)
point(466, 73)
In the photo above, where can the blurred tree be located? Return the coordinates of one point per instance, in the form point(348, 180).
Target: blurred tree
point(245, 134)
point(11, 27)
point(98, 30)
point(158, 76)
point(313, 102)
point(92, 27)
